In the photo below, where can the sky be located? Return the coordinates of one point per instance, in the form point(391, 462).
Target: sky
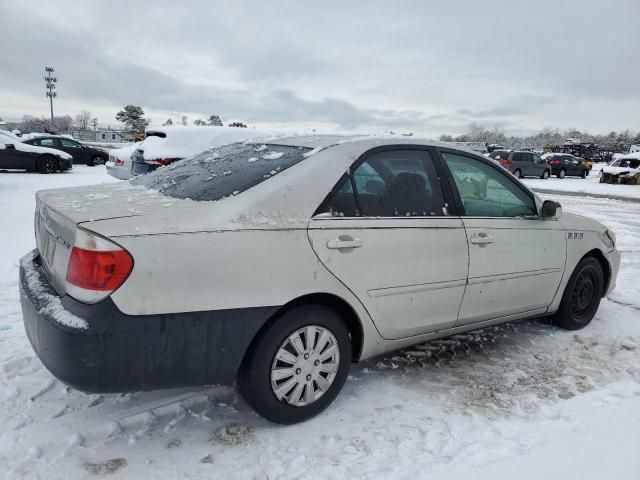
point(423, 66)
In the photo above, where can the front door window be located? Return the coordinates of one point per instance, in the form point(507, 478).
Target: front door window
point(487, 192)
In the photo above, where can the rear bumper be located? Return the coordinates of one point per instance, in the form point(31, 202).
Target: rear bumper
point(97, 348)
point(121, 172)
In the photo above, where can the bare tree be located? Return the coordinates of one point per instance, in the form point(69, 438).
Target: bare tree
point(83, 119)
point(94, 123)
point(184, 120)
point(199, 122)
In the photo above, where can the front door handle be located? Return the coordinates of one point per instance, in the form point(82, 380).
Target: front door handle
point(482, 239)
point(344, 241)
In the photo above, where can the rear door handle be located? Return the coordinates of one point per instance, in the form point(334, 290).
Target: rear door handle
point(482, 239)
point(344, 241)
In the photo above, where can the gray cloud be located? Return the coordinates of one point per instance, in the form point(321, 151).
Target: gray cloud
point(429, 67)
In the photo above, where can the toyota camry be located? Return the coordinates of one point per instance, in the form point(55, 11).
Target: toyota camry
point(275, 264)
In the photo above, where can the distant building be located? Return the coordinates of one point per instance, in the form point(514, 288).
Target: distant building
point(101, 136)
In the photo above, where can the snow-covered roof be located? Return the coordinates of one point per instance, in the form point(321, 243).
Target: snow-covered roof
point(181, 142)
point(6, 137)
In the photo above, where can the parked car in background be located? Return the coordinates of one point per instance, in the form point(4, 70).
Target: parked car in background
point(120, 163)
point(82, 154)
point(164, 145)
point(277, 264)
point(522, 163)
point(625, 169)
point(16, 155)
point(566, 165)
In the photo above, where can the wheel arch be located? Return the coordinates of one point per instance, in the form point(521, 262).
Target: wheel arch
point(340, 305)
point(604, 263)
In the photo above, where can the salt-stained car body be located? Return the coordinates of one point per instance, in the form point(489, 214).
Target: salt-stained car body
point(276, 264)
point(119, 163)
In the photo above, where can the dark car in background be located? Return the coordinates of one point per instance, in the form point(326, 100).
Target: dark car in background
point(82, 154)
point(16, 155)
point(565, 165)
point(522, 163)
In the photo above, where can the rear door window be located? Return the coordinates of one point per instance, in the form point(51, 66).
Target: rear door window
point(392, 183)
point(222, 171)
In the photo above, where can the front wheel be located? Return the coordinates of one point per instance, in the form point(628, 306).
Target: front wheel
point(298, 364)
point(545, 175)
point(47, 164)
point(582, 295)
point(584, 173)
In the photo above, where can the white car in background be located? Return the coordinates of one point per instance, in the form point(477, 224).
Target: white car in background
point(119, 163)
point(276, 264)
point(167, 144)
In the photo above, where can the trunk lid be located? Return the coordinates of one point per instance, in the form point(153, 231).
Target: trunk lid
point(60, 211)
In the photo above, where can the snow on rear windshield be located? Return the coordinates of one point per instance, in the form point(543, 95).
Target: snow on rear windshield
point(222, 171)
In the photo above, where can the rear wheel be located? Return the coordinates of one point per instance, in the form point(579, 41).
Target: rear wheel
point(562, 173)
point(47, 164)
point(298, 365)
point(582, 295)
point(545, 174)
point(584, 173)
point(517, 173)
point(97, 160)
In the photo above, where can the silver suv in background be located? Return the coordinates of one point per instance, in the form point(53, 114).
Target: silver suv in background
point(522, 163)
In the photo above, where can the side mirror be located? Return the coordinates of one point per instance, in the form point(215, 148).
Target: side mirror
point(551, 209)
point(9, 146)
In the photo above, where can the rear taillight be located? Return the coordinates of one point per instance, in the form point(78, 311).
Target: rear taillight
point(97, 267)
point(119, 161)
point(505, 162)
point(555, 162)
point(160, 161)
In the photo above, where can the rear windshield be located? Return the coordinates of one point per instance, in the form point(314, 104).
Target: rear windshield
point(222, 171)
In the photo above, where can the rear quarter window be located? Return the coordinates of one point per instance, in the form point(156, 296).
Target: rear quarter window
point(222, 171)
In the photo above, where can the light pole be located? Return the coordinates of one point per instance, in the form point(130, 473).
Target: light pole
point(50, 87)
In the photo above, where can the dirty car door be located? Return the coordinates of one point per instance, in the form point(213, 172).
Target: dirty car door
point(385, 233)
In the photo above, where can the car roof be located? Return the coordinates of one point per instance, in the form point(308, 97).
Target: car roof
point(630, 156)
point(364, 142)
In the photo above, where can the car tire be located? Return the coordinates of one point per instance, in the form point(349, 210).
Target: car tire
point(255, 380)
point(517, 173)
point(582, 296)
point(97, 160)
point(562, 173)
point(545, 174)
point(584, 173)
point(47, 164)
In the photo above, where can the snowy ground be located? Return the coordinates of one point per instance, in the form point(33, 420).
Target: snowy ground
point(522, 401)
